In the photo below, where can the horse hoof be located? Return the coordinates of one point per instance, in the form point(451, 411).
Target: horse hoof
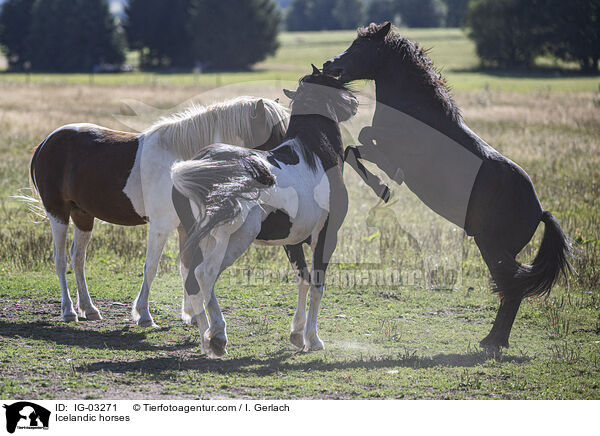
point(492, 347)
point(71, 317)
point(297, 340)
point(188, 319)
point(315, 345)
point(146, 323)
point(93, 316)
point(217, 346)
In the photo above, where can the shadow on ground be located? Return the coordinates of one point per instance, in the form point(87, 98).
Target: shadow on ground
point(186, 355)
point(122, 338)
point(162, 367)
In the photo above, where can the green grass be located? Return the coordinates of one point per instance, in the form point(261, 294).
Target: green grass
point(383, 339)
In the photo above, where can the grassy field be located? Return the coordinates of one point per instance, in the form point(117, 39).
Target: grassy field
point(451, 51)
point(387, 334)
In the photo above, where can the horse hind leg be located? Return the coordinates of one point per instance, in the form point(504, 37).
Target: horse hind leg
point(502, 267)
point(229, 243)
point(84, 224)
point(498, 335)
point(59, 237)
point(200, 296)
point(190, 286)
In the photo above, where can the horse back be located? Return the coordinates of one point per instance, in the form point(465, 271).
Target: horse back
point(85, 167)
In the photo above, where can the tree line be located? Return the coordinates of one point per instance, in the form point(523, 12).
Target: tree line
point(347, 14)
point(512, 33)
point(82, 35)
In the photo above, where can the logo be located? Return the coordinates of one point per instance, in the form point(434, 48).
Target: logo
point(26, 415)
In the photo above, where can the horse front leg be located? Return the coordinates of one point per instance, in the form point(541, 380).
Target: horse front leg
point(321, 257)
point(387, 161)
point(323, 248)
point(295, 254)
point(351, 157)
point(140, 311)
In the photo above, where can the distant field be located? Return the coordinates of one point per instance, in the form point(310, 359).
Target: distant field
point(451, 51)
point(402, 338)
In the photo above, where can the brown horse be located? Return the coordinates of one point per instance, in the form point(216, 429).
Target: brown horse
point(83, 171)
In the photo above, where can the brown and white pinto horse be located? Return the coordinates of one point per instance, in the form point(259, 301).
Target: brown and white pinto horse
point(85, 171)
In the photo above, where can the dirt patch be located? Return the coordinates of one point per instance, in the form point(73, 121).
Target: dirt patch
point(112, 358)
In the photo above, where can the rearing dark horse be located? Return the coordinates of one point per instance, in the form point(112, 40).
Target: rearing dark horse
point(418, 137)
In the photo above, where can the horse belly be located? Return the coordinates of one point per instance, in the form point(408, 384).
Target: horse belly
point(442, 174)
point(102, 195)
point(278, 228)
point(86, 169)
point(445, 192)
point(285, 227)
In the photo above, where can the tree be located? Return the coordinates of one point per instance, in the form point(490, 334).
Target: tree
point(380, 11)
point(422, 13)
point(348, 14)
point(15, 21)
point(233, 34)
point(72, 35)
point(410, 13)
point(325, 14)
point(573, 31)
point(158, 29)
point(512, 33)
point(456, 12)
point(507, 33)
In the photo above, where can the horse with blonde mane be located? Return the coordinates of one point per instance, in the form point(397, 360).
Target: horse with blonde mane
point(84, 171)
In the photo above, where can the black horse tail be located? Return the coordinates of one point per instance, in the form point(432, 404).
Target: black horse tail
point(552, 260)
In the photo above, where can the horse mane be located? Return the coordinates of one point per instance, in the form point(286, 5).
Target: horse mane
point(325, 80)
point(315, 135)
point(417, 58)
point(186, 133)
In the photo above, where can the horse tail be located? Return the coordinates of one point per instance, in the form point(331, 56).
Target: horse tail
point(552, 260)
point(216, 182)
point(32, 181)
point(33, 202)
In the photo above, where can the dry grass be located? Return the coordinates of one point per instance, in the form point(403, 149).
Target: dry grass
point(554, 137)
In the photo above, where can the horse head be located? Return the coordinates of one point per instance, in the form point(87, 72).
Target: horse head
point(363, 58)
point(323, 94)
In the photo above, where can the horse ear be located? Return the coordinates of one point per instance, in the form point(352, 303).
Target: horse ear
point(289, 94)
point(385, 29)
point(259, 112)
point(315, 69)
